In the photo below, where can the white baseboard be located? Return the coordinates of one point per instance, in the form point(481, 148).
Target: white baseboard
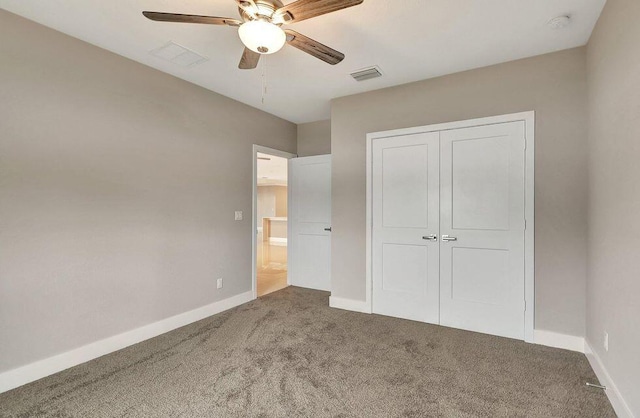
point(617, 401)
point(349, 304)
point(22, 375)
point(557, 340)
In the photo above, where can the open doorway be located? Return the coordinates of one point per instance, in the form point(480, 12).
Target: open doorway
point(271, 200)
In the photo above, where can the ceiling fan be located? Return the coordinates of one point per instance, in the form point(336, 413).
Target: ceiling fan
point(260, 26)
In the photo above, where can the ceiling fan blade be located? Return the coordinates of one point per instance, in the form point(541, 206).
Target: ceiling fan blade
point(249, 60)
point(306, 9)
point(208, 20)
point(314, 48)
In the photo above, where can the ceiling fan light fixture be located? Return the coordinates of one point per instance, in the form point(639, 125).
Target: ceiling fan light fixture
point(262, 37)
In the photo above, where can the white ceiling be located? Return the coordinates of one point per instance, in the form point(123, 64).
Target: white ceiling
point(409, 40)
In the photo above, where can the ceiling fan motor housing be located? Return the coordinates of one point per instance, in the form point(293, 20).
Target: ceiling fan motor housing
point(265, 9)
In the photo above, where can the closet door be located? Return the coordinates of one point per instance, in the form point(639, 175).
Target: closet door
point(405, 226)
point(482, 227)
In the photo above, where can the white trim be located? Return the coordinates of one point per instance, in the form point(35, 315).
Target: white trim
point(621, 408)
point(369, 227)
point(469, 123)
point(530, 227)
point(42, 368)
point(529, 236)
point(254, 210)
point(349, 304)
point(289, 223)
point(557, 340)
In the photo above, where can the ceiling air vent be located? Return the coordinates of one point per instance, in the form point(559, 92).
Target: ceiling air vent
point(178, 54)
point(367, 73)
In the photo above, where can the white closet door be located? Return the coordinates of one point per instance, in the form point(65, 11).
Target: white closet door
point(405, 213)
point(482, 208)
point(310, 217)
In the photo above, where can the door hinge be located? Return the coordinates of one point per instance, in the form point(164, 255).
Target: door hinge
point(525, 224)
point(525, 306)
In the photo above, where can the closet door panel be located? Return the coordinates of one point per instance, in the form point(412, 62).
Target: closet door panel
point(405, 226)
point(482, 227)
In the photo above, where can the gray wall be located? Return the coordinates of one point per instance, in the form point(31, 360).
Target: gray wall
point(613, 287)
point(118, 185)
point(553, 85)
point(314, 138)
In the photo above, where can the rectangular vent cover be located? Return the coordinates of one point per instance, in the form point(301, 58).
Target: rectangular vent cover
point(178, 54)
point(367, 73)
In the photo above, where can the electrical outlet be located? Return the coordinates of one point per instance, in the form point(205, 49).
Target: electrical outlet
point(238, 215)
point(219, 283)
point(606, 341)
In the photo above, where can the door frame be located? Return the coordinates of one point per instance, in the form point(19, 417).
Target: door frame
point(254, 212)
point(529, 179)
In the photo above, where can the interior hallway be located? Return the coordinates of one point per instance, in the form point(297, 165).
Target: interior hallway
point(271, 266)
point(272, 210)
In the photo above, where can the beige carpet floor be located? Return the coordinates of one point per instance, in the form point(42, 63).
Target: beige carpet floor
point(289, 354)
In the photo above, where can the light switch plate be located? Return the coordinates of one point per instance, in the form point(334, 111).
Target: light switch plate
point(238, 215)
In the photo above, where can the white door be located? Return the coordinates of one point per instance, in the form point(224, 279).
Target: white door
point(482, 229)
point(310, 217)
point(405, 226)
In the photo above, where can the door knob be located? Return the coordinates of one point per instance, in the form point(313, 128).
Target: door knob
point(328, 229)
point(430, 237)
point(448, 238)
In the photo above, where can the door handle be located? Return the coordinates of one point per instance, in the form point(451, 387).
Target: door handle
point(430, 237)
point(328, 229)
point(448, 238)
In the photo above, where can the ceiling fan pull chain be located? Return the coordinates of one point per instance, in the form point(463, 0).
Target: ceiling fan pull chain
point(264, 78)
